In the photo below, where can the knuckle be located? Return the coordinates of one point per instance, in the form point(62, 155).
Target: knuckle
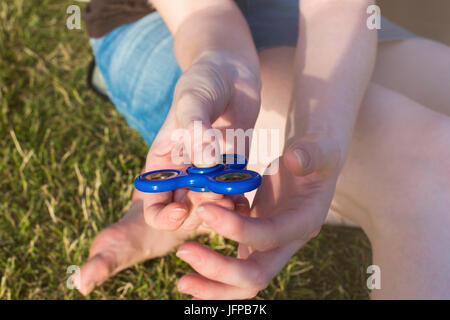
point(312, 229)
point(200, 97)
point(160, 221)
point(236, 228)
point(269, 239)
point(226, 203)
point(189, 226)
point(149, 218)
point(315, 233)
point(217, 265)
point(191, 223)
point(260, 281)
point(252, 293)
point(107, 261)
point(266, 244)
point(214, 273)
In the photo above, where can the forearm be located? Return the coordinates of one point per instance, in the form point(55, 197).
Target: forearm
point(334, 62)
point(201, 26)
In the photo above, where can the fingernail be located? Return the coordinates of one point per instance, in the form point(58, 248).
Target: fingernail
point(182, 286)
point(303, 158)
point(182, 253)
point(241, 205)
point(189, 257)
point(206, 216)
point(206, 155)
point(178, 214)
point(88, 288)
point(185, 288)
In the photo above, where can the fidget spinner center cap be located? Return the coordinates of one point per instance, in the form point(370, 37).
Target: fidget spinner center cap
point(197, 170)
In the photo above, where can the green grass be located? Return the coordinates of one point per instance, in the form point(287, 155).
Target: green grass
point(67, 163)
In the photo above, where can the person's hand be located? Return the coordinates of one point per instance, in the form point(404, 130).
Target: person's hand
point(289, 209)
point(218, 92)
point(132, 240)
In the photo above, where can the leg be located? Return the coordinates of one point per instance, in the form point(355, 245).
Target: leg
point(396, 185)
point(417, 68)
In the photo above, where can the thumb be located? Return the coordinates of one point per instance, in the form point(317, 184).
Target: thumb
point(201, 141)
point(201, 96)
point(312, 154)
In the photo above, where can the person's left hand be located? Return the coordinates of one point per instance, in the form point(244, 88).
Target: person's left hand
point(289, 209)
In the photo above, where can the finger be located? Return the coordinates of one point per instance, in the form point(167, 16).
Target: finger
point(158, 158)
point(259, 233)
point(167, 139)
point(113, 249)
point(202, 93)
point(202, 288)
point(254, 232)
point(195, 199)
point(94, 272)
point(243, 251)
point(168, 217)
point(228, 270)
point(202, 143)
point(162, 148)
point(312, 154)
point(269, 262)
point(241, 204)
point(201, 96)
point(237, 202)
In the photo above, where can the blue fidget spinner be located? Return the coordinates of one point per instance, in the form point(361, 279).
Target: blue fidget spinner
point(227, 178)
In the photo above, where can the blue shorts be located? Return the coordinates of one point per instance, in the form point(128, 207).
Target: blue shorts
point(138, 64)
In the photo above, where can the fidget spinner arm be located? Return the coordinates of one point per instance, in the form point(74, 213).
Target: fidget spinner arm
point(229, 177)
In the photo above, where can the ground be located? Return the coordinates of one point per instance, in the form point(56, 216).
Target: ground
point(67, 163)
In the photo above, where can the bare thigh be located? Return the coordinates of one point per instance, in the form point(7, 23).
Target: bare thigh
point(418, 68)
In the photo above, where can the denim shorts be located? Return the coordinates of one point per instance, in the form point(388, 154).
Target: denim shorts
point(138, 64)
